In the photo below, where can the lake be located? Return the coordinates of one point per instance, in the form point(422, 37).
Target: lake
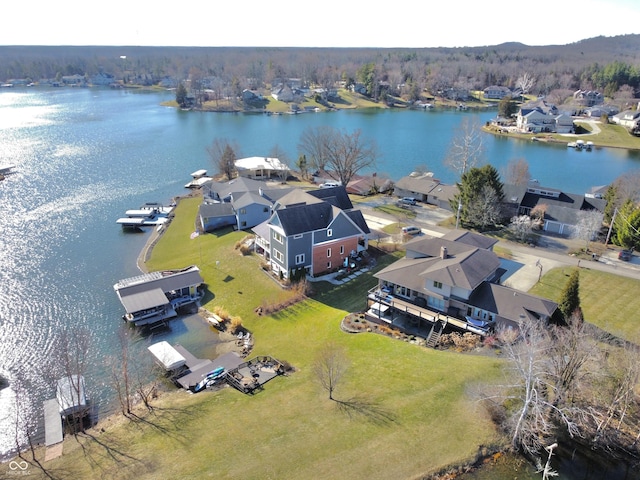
point(84, 156)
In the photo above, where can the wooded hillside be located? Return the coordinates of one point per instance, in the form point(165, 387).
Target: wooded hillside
point(596, 63)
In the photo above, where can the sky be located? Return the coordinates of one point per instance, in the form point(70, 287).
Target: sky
point(327, 23)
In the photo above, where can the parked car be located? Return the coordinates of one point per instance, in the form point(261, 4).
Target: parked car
point(411, 230)
point(625, 255)
point(408, 201)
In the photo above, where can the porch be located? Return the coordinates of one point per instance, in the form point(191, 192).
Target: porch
point(413, 318)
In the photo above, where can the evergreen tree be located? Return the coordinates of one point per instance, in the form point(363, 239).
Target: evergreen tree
point(480, 193)
point(627, 226)
point(507, 107)
point(181, 95)
point(570, 300)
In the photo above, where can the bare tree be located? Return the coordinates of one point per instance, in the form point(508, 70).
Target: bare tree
point(517, 172)
point(330, 366)
point(223, 155)
point(341, 154)
point(466, 149)
point(313, 143)
point(522, 225)
point(532, 414)
point(588, 226)
point(285, 162)
point(131, 372)
point(72, 347)
point(525, 82)
point(485, 210)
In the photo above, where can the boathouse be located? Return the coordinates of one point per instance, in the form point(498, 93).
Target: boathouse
point(155, 297)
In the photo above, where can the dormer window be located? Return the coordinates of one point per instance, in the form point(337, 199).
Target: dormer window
point(329, 232)
point(437, 284)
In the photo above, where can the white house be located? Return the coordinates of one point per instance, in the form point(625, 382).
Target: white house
point(260, 168)
point(628, 119)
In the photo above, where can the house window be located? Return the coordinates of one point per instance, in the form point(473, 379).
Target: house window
point(243, 211)
point(265, 209)
point(341, 249)
point(243, 224)
point(299, 258)
point(278, 255)
point(277, 237)
point(437, 303)
point(328, 265)
point(404, 291)
point(297, 236)
point(328, 252)
point(329, 232)
point(437, 284)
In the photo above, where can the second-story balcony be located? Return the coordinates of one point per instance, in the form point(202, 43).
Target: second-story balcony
point(386, 307)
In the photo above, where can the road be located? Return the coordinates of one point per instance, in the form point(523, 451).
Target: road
point(526, 264)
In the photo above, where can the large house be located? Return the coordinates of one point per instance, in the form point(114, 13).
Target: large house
point(561, 210)
point(588, 98)
point(261, 168)
point(312, 233)
point(452, 281)
point(628, 119)
point(496, 92)
point(535, 121)
point(242, 203)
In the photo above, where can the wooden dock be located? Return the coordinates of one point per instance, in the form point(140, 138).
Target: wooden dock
point(52, 429)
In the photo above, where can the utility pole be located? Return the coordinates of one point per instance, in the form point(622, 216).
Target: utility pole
point(613, 219)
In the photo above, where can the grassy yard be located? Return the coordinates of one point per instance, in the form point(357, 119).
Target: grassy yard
point(608, 136)
point(406, 411)
point(609, 301)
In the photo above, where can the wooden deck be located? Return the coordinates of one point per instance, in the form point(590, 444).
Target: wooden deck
point(197, 368)
point(422, 313)
point(52, 423)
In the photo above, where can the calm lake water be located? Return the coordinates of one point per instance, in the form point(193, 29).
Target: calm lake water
point(84, 156)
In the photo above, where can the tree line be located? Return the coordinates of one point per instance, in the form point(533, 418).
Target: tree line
point(603, 63)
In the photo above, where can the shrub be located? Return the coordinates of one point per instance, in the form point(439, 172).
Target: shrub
point(221, 312)
point(235, 324)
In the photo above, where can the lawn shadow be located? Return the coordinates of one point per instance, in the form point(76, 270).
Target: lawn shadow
point(359, 406)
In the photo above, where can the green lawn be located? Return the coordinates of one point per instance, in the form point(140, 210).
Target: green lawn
point(410, 414)
point(609, 136)
point(609, 301)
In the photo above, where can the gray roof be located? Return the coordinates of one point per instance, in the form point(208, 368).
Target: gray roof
point(210, 210)
point(239, 184)
point(562, 209)
point(249, 198)
point(510, 304)
point(357, 218)
point(296, 219)
point(336, 196)
point(148, 291)
point(463, 265)
point(423, 184)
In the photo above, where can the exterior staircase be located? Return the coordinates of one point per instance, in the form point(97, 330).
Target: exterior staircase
point(434, 335)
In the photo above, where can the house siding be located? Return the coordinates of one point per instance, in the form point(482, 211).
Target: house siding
point(321, 257)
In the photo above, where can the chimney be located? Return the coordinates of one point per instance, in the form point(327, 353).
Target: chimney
point(443, 252)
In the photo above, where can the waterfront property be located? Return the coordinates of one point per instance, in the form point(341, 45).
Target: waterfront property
point(560, 210)
point(452, 281)
point(312, 233)
point(242, 203)
point(155, 297)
